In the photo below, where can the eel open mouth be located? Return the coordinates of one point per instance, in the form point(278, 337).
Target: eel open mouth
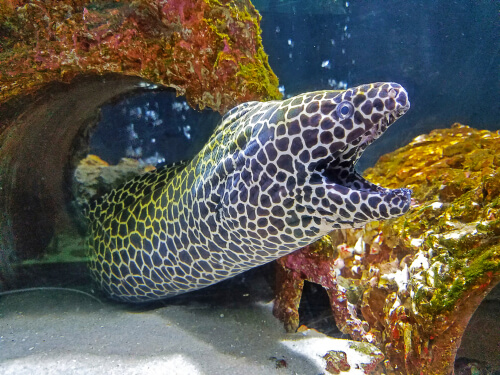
point(356, 201)
point(351, 199)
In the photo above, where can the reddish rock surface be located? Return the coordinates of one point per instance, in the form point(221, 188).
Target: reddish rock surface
point(210, 51)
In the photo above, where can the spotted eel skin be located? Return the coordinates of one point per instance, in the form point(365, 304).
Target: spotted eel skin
point(274, 177)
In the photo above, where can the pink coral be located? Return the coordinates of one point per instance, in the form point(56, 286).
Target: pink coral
point(175, 43)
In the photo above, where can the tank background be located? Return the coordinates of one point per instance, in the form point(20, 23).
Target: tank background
point(154, 127)
point(445, 53)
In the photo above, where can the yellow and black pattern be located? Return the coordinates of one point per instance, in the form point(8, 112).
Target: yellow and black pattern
point(274, 177)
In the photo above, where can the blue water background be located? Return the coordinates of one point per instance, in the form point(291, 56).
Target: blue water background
point(445, 53)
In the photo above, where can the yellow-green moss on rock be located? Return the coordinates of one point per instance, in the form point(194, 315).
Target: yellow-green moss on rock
point(422, 275)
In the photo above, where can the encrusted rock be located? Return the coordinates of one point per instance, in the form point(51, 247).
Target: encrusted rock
point(416, 280)
point(210, 51)
point(94, 177)
point(336, 362)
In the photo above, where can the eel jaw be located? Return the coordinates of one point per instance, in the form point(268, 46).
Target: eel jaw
point(379, 128)
point(354, 200)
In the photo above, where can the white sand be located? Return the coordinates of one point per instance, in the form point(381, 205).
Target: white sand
point(50, 332)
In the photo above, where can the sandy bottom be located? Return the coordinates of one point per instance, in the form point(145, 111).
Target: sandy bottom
point(60, 332)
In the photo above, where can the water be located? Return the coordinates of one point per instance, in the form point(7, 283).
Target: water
point(445, 53)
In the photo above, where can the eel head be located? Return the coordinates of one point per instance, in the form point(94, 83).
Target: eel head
point(299, 156)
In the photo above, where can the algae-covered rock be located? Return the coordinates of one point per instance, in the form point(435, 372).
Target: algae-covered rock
point(210, 51)
point(62, 60)
point(417, 279)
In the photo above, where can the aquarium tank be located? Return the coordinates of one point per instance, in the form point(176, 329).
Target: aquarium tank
point(249, 187)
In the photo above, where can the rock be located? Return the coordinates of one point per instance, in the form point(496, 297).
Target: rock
point(94, 177)
point(209, 51)
point(421, 276)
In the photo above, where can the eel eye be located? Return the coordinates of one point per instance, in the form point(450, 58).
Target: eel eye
point(345, 110)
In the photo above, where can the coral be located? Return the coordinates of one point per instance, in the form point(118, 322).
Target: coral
point(313, 263)
point(210, 51)
point(416, 280)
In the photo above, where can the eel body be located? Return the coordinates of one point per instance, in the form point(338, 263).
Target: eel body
point(274, 177)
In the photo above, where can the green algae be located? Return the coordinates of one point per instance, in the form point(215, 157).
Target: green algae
point(364, 348)
point(258, 77)
point(468, 266)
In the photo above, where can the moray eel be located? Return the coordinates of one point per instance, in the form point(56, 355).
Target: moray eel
point(274, 177)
